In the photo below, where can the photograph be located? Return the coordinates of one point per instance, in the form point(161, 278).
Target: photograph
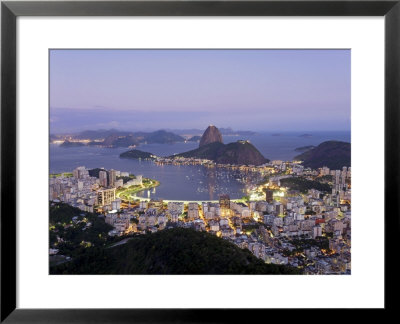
point(199, 161)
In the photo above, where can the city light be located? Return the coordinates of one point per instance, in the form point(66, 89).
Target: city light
point(269, 226)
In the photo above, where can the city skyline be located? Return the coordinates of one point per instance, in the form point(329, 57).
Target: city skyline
point(139, 90)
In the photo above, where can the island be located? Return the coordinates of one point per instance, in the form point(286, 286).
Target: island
point(119, 141)
point(137, 154)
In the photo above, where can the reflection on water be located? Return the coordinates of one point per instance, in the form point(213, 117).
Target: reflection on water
point(198, 183)
point(211, 183)
point(186, 182)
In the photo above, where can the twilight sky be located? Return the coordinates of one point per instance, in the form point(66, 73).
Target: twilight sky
point(262, 90)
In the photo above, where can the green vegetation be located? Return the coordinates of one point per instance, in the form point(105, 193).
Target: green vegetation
point(239, 153)
point(325, 178)
point(150, 182)
point(126, 179)
point(264, 181)
point(172, 251)
point(250, 228)
point(332, 154)
point(136, 154)
point(95, 172)
point(126, 193)
point(76, 236)
point(67, 143)
point(310, 212)
point(302, 244)
point(288, 253)
point(321, 242)
point(209, 151)
point(303, 185)
point(183, 216)
point(56, 175)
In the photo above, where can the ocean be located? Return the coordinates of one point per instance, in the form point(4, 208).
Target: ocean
point(189, 182)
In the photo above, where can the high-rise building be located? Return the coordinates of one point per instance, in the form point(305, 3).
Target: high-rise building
point(116, 204)
point(324, 171)
point(193, 211)
point(269, 195)
point(103, 178)
point(317, 231)
point(105, 196)
point(119, 183)
point(80, 185)
point(279, 209)
point(112, 176)
point(80, 173)
point(337, 180)
point(175, 207)
point(224, 201)
point(156, 203)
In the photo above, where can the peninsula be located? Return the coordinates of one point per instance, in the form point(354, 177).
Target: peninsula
point(212, 148)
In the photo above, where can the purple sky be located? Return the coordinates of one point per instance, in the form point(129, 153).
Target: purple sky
point(262, 90)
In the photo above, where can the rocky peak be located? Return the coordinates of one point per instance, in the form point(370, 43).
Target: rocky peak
point(211, 135)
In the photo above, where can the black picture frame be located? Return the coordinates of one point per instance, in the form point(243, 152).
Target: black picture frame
point(10, 10)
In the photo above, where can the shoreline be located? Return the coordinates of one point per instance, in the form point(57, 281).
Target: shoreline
point(129, 192)
point(185, 201)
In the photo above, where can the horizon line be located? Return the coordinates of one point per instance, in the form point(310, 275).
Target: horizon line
point(195, 128)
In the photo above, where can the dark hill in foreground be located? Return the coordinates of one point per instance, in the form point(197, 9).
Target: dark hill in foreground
point(172, 251)
point(332, 154)
point(239, 153)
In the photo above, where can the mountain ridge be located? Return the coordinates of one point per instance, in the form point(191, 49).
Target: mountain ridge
point(239, 153)
point(332, 154)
